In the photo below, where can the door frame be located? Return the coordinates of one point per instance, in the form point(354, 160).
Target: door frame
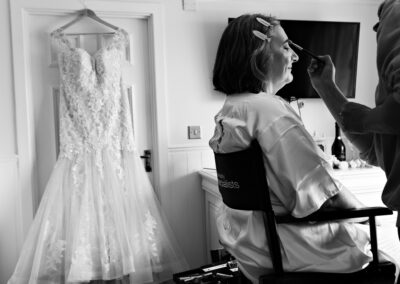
point(153, 13)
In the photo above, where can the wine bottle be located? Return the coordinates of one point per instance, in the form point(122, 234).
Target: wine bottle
point(338, 147)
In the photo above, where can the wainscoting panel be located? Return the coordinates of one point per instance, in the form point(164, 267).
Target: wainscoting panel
point(184, 204)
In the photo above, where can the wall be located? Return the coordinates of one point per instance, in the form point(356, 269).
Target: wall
point(191, 41)
point(8, 160)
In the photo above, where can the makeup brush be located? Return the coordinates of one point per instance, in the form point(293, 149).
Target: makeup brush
point(306, 51)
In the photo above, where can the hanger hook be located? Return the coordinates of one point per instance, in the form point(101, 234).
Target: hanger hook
point(86, 11)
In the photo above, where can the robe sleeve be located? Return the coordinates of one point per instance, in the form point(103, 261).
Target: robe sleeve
point(297, 173)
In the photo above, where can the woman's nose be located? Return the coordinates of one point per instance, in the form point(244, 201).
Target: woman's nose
point(295, 57)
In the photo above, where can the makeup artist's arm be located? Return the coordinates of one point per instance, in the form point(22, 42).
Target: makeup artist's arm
point(323, 81)
point(383, 119)
point(354, 117)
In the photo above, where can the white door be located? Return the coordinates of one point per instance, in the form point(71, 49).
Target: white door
point(44, 76)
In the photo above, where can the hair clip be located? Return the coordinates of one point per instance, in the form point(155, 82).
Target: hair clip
point(263, 22)
point(261, 36)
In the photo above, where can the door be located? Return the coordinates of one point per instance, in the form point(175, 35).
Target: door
point(44, 75)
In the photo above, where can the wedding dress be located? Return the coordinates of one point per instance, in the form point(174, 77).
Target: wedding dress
point(99, 218)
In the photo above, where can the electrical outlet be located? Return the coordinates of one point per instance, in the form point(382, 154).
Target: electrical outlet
point(194, 132)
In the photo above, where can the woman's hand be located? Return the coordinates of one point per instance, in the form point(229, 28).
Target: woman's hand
point(322, 74)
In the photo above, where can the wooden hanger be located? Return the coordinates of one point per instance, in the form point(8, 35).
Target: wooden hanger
point(87, 13)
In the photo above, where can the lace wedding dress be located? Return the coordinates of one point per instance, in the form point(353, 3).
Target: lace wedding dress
point(99, 218)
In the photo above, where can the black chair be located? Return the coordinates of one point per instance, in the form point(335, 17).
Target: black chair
point(243, 185)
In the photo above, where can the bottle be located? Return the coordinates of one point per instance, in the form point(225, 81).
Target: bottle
point(338, 147)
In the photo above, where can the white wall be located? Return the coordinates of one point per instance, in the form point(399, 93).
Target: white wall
point(191, 42)
point(8, 161)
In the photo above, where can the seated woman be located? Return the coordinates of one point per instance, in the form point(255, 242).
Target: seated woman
point(254, 61)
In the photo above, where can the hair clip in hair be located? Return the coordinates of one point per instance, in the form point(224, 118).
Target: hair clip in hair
point(261, 36)
point(263, 22)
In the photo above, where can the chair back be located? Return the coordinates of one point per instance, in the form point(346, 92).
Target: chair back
point(243, 185)
point(241, 179)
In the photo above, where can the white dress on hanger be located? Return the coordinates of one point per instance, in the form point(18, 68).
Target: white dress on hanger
point(99, 218)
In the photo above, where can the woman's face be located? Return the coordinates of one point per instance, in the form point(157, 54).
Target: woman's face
point(281, 59)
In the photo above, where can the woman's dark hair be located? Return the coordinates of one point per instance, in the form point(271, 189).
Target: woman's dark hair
point(241, 61)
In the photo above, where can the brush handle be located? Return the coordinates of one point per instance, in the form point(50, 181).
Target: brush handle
point(306, 51)
point(312, 55)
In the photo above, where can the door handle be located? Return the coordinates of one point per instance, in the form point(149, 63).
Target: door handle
point(147, 160)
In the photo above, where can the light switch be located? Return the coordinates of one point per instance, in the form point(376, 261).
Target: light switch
point(194, 132)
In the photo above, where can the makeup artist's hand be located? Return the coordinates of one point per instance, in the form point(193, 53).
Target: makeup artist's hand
point(321, 75)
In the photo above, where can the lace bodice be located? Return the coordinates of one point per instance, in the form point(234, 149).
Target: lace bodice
point(94, 109)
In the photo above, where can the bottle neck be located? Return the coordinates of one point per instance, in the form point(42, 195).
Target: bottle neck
point(337, 131)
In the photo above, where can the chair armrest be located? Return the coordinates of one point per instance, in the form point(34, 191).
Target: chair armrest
point(336, 214)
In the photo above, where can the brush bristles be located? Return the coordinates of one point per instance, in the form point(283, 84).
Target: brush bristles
point(295, 45)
